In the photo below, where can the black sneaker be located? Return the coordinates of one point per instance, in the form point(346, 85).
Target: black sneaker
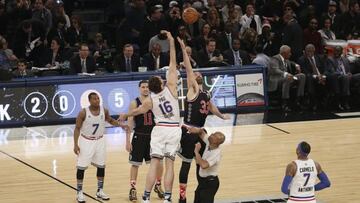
point(132, 195)
point(159, 191)
point(182, 200)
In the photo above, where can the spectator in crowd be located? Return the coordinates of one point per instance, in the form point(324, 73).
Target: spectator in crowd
point(350, 21)
point(312, 36)
point(29, 40)
point(249, 40)
point(127, 61)
point(293, 35)
point(261, 58)
point(77, 33)
point(230, 6)
point(155, 59)
point(214, 20)
point(250, 20)
point(21, 70)
point(4, 18)
point(42, 14)
point(160, 39)
point(234, 20)
point(217, 60)
point(98, 46)
point(7, 56)
point(326, 32)
point(285, 73)
point(185, 36)
point(53, 56)
point(206, 33)
point(267, 41)
point(236, 56)
point(306, 15)
point(60, 13)
point(313, 67)
point(192, 58)
point(82, 63)
point(18, 11)
point(206, 54)
point(58, 31)
point(153, 24)
point(173, 19)
point(338, 75)
point(332, 15)
point(224, 40)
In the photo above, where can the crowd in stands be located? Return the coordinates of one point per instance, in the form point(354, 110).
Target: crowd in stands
point(286, 36)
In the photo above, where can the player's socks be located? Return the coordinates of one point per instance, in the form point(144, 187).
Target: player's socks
point(132, 183)
point(79, 186)
point(182, 194)
point(146, 195)
point(100, 184)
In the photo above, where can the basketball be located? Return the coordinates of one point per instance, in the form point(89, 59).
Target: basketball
point(190, 15)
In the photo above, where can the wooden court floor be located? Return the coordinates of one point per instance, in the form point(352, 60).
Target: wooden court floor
point(37, 164)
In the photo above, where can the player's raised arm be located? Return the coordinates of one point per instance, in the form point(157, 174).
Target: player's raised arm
point(172, 79)
point(145, 107)
point(190, 77)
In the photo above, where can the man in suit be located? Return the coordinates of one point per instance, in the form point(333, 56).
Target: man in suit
point(339, 77)
point(285, 73)
point(206, 54)
point(155, 59)
point(235, 56)
point(313, 68)
point(82, 63)
point(224, 41)
point(127, 61)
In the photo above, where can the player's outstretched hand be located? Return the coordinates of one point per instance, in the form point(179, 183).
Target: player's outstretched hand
point(122, 117)
point(76, 149)
point(181, 42)
point(125, 127)
point(168, 34)
point(197, 147)
point(193, 130)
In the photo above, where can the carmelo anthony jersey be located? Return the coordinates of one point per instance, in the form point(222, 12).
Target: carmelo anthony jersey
point(197, 109)
point(144, 123)
point(93, 126)
point(165, 107)
point(302, 187)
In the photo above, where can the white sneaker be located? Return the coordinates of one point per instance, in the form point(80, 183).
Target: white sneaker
point(167, 201)
point(80, 197)
point(101, 195)
point(146, 201)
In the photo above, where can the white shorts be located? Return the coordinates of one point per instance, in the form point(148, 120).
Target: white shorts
point(165, 141)
point(91, 152)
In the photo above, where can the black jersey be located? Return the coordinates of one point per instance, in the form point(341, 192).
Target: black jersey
point(197, 110)
point(144, 123)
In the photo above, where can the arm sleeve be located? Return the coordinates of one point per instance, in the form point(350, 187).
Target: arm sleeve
point(285, 184)
point(324, 182)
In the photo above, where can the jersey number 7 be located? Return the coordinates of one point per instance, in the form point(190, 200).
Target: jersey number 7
point(307, 175)
point(96, 128)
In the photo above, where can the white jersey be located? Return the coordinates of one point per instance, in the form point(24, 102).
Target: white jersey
point(93, 126)
point(302, 187)
point(165, 107)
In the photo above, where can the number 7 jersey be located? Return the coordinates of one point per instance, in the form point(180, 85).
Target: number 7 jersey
point(165, 107)
point(302, 186)
point(93, 125)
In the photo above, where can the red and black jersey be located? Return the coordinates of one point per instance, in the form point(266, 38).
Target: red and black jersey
point(144, 123)
point(197, 109)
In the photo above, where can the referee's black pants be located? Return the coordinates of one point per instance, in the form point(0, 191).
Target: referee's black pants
point(206, 190)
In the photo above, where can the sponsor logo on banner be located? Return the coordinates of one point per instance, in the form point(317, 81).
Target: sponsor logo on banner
point(249, 90)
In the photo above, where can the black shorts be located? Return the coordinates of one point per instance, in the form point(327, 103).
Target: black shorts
point(188, 141)
point(140, 149)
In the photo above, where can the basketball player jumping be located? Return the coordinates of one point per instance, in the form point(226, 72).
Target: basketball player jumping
point(89, 143)
point(166, 135)
point(197, 107)
point(139, 145)
point(300, 177)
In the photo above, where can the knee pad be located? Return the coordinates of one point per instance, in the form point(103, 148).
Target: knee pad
point(100, 172)
point(80, 174)
point(184, 172)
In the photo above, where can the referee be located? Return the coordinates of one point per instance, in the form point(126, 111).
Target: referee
point(209, 163)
